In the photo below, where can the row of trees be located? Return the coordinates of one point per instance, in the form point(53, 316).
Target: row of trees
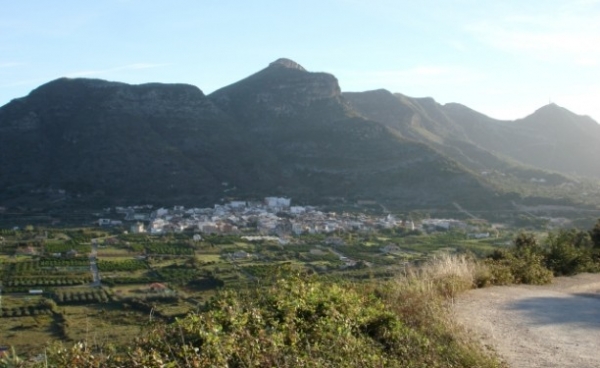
point(44, 306)
point(60, 281)
point(62, 262)
point(77, 297)
point(125, 265)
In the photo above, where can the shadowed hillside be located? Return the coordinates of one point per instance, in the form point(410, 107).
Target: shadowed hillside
point(281, 131)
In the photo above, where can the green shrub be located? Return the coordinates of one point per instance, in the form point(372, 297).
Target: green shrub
point(500, 273)
point(595, 235)
point(520, 265)
point(569, 253)
point(530, 269)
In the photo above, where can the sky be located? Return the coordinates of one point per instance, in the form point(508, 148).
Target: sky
point(502, 58)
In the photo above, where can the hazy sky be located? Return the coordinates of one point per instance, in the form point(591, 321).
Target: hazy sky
point(503, 58)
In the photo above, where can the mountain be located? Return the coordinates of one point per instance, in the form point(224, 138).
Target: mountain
point(424, 120)
point(281, 131)
point(556, 139)
point(111, 140)
point(551, 139)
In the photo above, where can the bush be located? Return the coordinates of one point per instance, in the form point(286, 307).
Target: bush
point(569, 253)
point(529, 268)
point(500, 273)
point(595, 235)
point(520, 265)
point(564, 253)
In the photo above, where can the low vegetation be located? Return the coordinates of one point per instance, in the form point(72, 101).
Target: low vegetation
point(285, 314)
point(563, 253)
point(300, 320)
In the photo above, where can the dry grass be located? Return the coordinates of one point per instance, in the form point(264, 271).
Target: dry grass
point(423, 295)
point(444, 275)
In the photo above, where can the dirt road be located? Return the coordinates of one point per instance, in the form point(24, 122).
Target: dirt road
point(556, 325)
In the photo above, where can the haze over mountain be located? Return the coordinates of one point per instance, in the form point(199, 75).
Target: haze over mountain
point(281, 131)
point(552, 138)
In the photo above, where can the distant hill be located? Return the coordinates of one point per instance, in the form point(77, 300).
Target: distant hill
point(281, 131)
point(551, 139)
point(557, 139)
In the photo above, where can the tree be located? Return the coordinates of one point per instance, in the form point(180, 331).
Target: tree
point(595, 235)
point(526, 241)
point(564, 256)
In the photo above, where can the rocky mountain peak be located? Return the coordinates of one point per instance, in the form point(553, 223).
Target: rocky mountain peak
point(283, 89)
point(286, 63)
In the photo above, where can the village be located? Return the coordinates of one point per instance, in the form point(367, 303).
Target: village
point(275, 216)
point(133, 261)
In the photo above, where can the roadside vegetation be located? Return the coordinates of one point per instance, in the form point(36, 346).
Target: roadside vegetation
point(562, 253)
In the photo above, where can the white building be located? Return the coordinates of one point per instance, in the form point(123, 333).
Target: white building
point(161, 212)
point(138, 228)
point(157, 226)
point(104, 222)
point(277, 202)
point(237, 204)
point(297, 210)
point(298, 228)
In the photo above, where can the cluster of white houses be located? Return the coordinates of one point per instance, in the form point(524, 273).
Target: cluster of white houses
point(273, 216)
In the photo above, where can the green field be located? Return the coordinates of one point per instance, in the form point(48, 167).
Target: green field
point(145, 277)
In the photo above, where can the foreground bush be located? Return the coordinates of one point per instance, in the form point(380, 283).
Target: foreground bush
point(518, 266)
point(299, 321)
point(571, 252)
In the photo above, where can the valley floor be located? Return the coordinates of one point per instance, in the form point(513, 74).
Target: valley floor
point(556, 325)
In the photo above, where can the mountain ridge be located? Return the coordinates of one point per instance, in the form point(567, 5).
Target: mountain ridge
point(280, 131)
point(427, 121)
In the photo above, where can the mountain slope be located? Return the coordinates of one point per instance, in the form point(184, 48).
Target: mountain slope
point(315, 140)
point(556, 139)
point(550, 139)
point(281, 131)
point(112, 140)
